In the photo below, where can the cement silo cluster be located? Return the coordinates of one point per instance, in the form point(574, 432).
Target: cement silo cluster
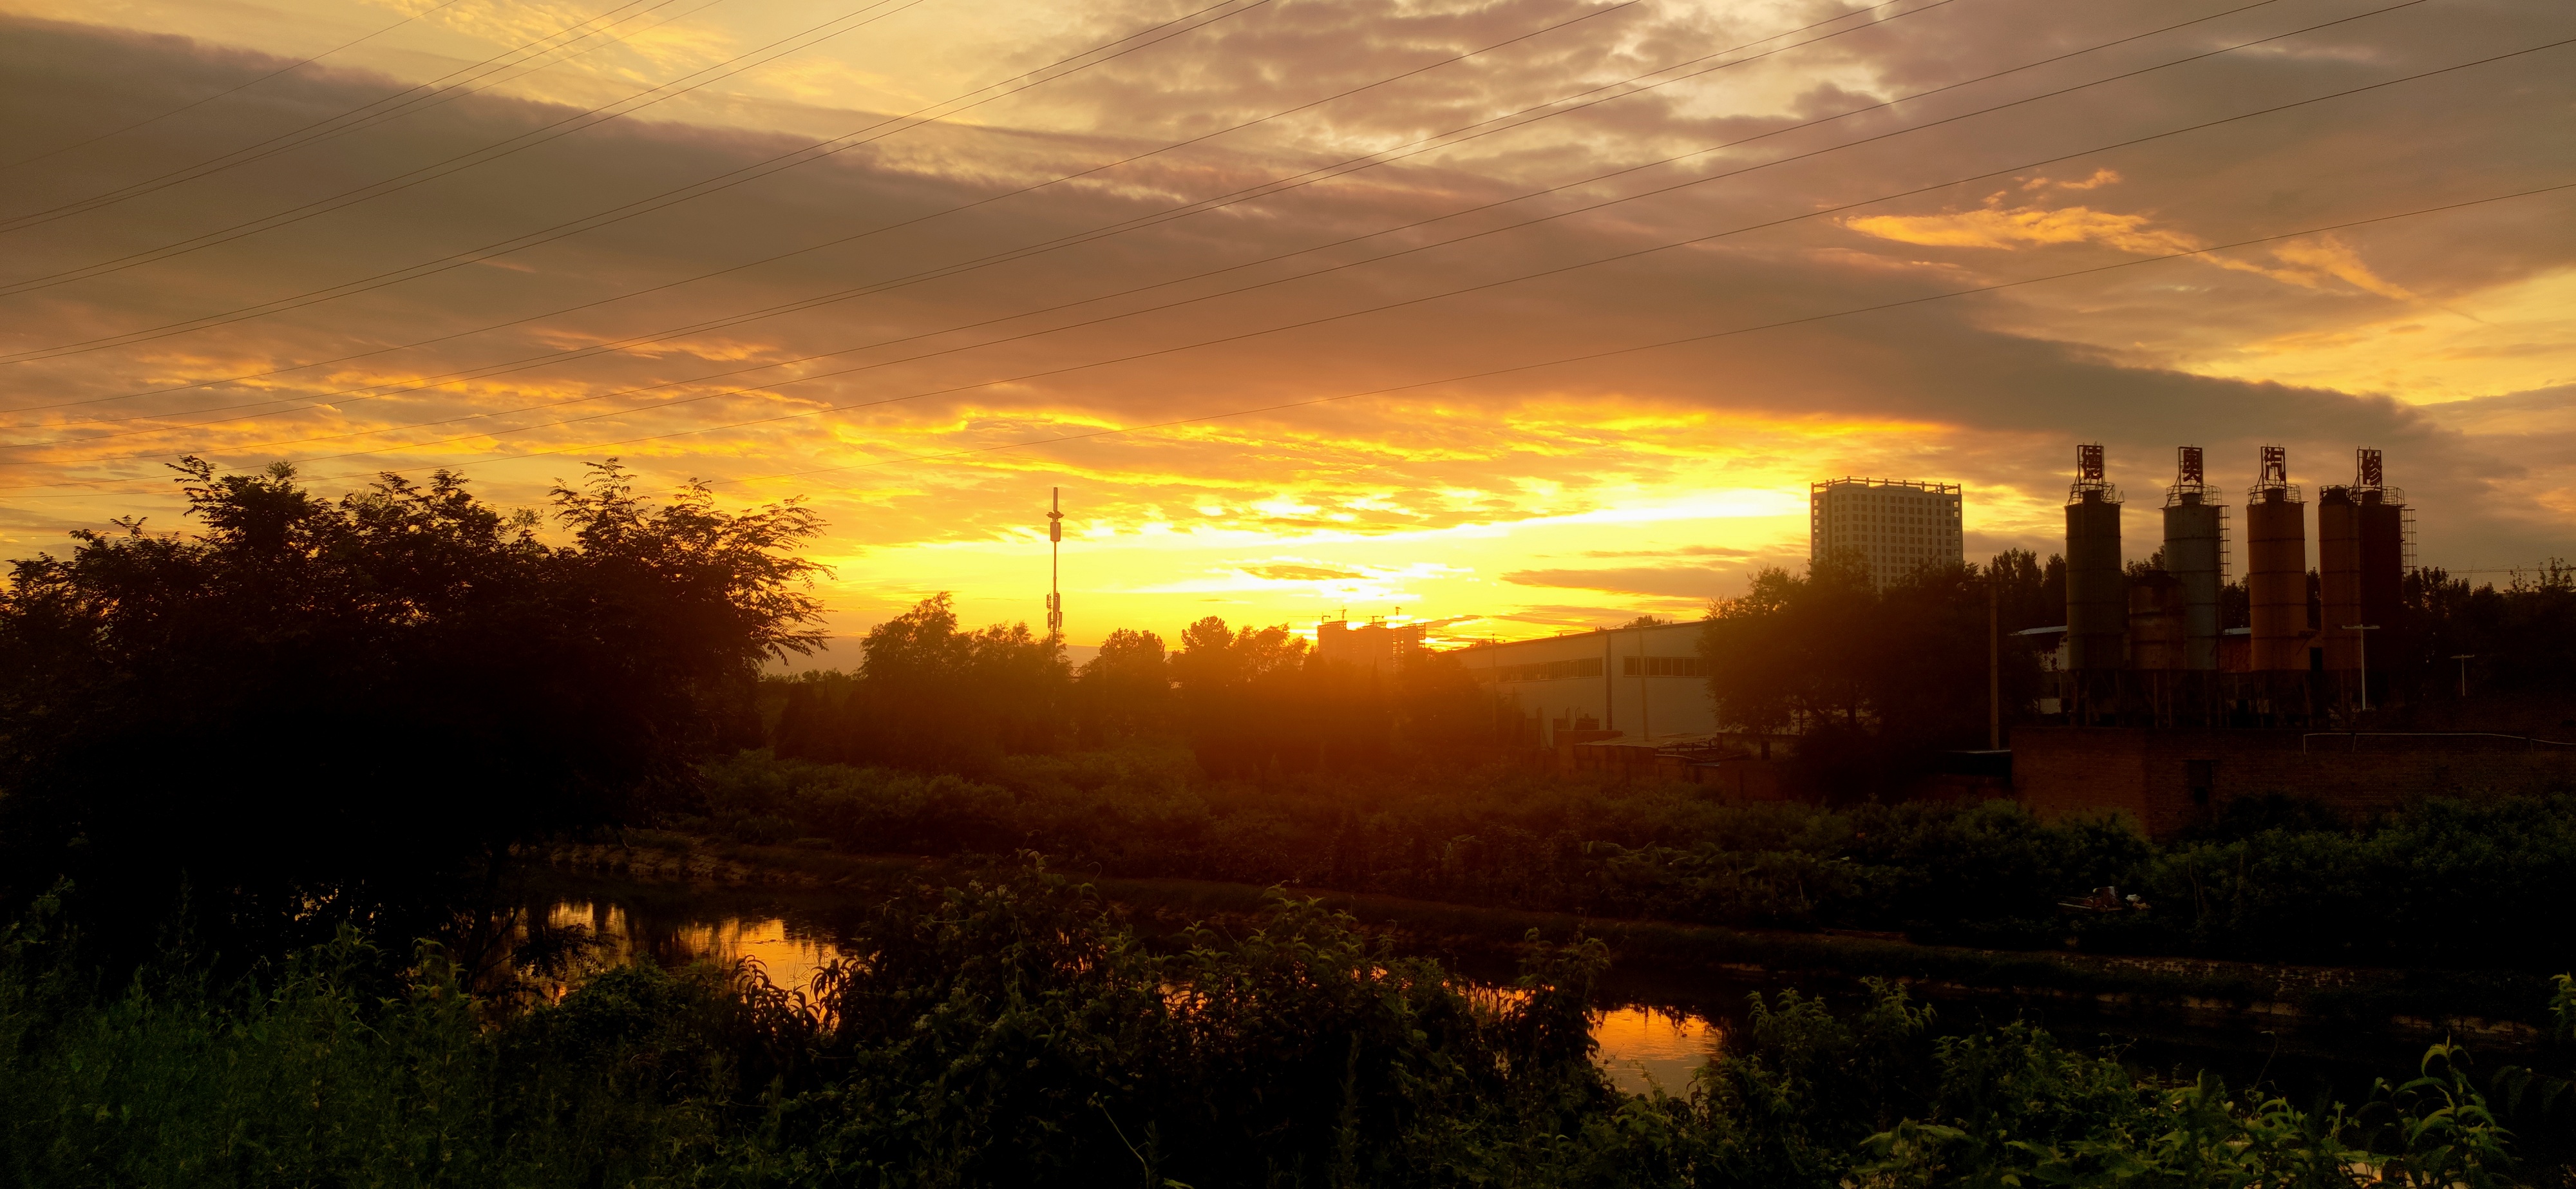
point(2152, 645)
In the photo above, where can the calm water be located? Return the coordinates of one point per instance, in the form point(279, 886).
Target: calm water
point(1654, 1028)
point(1642, 1044)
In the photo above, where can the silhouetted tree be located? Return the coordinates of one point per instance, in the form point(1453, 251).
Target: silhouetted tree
point(931, 696)
point(311, 712)
point(1126, 690)
point(1875, 680)
point(2021, 589)
point(1243, 706)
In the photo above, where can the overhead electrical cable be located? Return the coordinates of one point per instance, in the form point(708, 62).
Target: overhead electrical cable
point(289, 68)
point(580, 121)
point(1710, 336)
point(809, 303)
point(1345, 315)
point(570, 51)
point(1414, 301)
point(1321, 173)
point(1223, 10)
point(1689, 183)
point(418, 97)
point(1558, 361)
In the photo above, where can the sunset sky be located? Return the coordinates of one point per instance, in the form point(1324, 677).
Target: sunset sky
point(1519, 316)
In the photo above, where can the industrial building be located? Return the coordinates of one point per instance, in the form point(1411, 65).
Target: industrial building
point(2165, 713)
point(1644, 683)
point(1893, 526)
point(2149, 648)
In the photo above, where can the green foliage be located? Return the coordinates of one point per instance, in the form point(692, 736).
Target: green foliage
point(1873, 678)
point(2460, 884)
point(1249, 702)
point(2444, 883)
point(990, 1034)
point(932, 696)
point(2520, 639)
point(312, 712)
point(1015, 1033)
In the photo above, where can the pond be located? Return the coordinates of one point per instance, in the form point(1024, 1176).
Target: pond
point(1654, 1028)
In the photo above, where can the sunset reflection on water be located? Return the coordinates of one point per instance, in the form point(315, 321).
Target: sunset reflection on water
point(1640, 1046)
point(789, 958)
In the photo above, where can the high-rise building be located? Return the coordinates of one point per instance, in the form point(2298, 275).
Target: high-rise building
point(1894, 526)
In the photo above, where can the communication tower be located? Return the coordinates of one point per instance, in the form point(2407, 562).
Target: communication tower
point(1055, 563)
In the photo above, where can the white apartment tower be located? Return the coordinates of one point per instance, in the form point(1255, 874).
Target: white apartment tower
point(1895, 526)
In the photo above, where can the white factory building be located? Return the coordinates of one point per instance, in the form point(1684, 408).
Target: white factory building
point(1646, 683)
point(1895, 526)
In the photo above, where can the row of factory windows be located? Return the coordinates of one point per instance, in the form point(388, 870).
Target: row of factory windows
point(1549, 670)
point(1664, 666)
point(1629, 666)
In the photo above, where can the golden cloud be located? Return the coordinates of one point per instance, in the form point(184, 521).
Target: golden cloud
point(1990, 227)
point(2313, 263)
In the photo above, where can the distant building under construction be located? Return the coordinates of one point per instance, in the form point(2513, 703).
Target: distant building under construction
point(1893, 526)
point(1375, 646)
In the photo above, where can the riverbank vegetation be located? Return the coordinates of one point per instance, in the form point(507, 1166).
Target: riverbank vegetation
point(2456, 884)
point(1016, 1033)
point(310, 713)
point(262, 784)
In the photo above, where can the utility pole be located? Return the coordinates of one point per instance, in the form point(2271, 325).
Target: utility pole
point(2361, 631)
point(1994, 668)
point(1055, 564)
point(2464, 658)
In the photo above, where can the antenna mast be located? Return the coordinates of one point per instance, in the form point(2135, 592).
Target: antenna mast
point(1055, 565)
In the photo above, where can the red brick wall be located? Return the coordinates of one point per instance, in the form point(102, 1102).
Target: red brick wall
point(2149, 775)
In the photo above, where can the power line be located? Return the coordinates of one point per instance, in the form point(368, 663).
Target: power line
point(945, 271)
point(379, 391)
point(1397, 304)
point(255, 81)
point(418, 97)
point(1809, 214)
point(1688, 339)
point(1148, 37)
point(485, 155)
point(1560, 361)
point(1262, 190)
point(1487, 285)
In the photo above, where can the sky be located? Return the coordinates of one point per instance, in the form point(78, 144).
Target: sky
point(1511, 318)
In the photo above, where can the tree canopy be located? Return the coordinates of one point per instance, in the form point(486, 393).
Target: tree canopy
point(1878, 677)
point(314, 711)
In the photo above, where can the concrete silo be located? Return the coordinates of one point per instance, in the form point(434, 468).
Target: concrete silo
point(2361, 571)
point(2196, 556)
point(2097, 604)
point(2276, 571)
point(2339, 579)
point(2159, 625)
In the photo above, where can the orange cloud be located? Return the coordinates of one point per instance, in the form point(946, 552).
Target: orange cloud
point(2309, 264)
point(1992, 228)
